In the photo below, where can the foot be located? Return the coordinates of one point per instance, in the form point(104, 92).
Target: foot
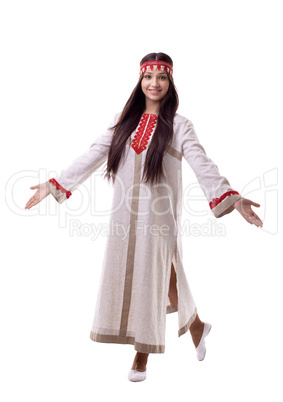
point(137, 376)
point(196, 330)
point(140, 361)
point(201, 349)
point(138, 371)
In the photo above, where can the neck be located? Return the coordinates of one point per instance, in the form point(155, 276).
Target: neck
point(152, 107)
point(150, 112)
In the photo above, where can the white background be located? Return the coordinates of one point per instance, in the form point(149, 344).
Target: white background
point(66, 68)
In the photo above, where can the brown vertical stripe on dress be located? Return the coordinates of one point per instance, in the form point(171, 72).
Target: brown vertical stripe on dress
point(131, 247)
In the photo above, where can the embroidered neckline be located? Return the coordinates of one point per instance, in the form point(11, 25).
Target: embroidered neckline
point(59, 187)
point(144, 131)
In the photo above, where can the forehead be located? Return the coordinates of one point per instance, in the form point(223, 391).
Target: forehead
point(156, 72)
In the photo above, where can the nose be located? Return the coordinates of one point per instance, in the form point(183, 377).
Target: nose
point(155, 82)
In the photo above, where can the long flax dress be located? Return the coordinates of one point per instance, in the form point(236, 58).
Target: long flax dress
point(132, 300)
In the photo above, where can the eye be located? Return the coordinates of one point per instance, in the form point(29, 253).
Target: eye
point(163, 77)
point(147, 76)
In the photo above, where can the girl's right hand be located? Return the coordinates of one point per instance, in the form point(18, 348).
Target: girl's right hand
point(42, 192)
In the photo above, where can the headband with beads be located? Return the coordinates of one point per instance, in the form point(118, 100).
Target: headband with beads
point(156, 65)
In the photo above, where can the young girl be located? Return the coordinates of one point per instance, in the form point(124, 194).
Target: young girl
point(143, 276)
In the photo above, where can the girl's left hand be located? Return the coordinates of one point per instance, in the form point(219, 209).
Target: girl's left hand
point(244, 207)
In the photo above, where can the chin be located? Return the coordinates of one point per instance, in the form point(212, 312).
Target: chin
point(155, 97)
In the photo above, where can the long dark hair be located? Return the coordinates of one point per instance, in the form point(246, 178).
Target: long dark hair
point(129, 120)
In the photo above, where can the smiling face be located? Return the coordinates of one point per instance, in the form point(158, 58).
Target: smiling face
point(154, 85)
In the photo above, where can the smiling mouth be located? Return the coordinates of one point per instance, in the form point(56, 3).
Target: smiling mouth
point(154, 91)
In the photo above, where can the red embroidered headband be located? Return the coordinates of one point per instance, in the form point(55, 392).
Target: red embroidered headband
point(156, 65)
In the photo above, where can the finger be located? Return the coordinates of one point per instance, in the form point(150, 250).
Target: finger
point(259, 222)
point(257, 217)
point(255, 204)
point(256, 220)
point(247, 218)
point(31, 200)
point(253, 218)
point(30, 203)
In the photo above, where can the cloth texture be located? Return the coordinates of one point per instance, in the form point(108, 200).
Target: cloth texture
point(132, 300)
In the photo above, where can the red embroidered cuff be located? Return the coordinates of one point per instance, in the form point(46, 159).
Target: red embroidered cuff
point(216, 201)
point(59, 187)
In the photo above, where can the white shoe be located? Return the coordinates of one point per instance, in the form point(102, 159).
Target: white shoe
point(136, 375)
point(201, 349)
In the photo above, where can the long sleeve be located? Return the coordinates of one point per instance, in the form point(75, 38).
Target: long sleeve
point(81, 168)
point(220, 195)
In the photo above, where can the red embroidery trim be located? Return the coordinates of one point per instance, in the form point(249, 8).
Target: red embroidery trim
point(216, 201)
point(144, 131)
point(151, 65)
point(59, 187)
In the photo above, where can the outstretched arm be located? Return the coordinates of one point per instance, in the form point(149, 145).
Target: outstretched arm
point(222, 198)
point(62, 186)
point(217, 189)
